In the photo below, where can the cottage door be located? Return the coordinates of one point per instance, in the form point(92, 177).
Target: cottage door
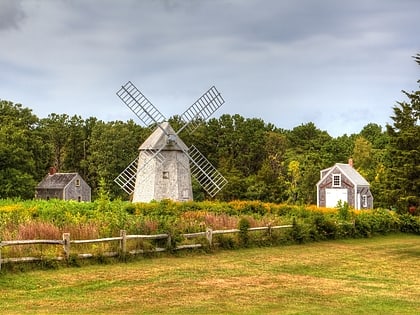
point(333, 196)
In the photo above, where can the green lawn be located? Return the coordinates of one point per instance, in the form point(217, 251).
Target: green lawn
point(380, 275)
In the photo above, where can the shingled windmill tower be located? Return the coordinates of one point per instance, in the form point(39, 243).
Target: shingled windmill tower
point(165, 164)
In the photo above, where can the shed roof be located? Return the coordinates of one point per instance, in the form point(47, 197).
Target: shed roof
point(349, 171)
point(57, 180)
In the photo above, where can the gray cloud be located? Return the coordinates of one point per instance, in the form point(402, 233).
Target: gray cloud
point(11, 14)
point(287, 62)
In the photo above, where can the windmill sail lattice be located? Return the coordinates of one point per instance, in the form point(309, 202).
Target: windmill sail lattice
point(164, 151)
point(205, 173)
point(202, 109)
point(140, 105)
point(127, 178)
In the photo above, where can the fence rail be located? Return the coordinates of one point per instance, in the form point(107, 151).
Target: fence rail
point(67, 243)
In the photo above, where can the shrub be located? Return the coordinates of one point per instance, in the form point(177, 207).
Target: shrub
point(409, 223)
point(244, 225)
point(344, 211)
point(298, 233)
point(362, 226)
point(322, 227)
point(49, 219)
point(224, 241)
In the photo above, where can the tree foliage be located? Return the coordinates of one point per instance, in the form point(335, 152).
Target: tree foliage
point(403, 152)
point(260, 161)
point(21, 151)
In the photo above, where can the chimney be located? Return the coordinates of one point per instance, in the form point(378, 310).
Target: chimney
point(351, 162)
point(52, 170)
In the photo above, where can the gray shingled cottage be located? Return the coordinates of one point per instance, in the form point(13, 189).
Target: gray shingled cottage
point(343, 182)
point(66, 186)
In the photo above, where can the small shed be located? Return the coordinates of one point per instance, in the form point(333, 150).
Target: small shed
point(343, 182)
point(66, 186)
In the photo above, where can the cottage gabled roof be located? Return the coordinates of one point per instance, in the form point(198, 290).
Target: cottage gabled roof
point(158, 139)
point(348, 171)
point(57, 180)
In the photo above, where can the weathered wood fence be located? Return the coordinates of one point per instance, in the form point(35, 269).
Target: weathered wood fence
point(67, 243)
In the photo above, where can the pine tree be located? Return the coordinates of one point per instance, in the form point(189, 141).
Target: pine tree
point(403, 164)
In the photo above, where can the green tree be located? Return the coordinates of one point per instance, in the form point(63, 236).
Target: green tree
point(19, 145)
point(362, 155)
point(56, 130)
point(336, 150)
point(307, 137)
point(307, 146)
point(113, 146)
point(241, 142)
point(275, 148)
point(236, 147)
point(294, 174)
point(272, 173)
point(75, 145)
point(403, 155)
point(375, 135)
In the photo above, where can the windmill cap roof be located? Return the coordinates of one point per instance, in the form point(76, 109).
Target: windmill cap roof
point(158, 139)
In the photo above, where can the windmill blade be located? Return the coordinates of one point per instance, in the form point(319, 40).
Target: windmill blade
point(202, 109)
point(205, 173)
point(140, 105)
point(127, 179)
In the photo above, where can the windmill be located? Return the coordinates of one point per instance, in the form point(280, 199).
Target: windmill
point(165, 164)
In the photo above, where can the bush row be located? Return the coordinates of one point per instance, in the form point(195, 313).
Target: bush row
point(103, 219)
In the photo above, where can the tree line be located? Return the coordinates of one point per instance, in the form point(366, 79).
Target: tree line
point(260, 161)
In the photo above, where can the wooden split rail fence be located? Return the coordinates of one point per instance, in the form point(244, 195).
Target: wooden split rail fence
point(67, 243)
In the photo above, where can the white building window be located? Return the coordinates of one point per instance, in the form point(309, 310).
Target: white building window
point(165, 175)
point(336, 180)
point(364, 201)
point(77, 182)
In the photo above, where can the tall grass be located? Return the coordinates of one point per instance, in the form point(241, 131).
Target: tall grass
point(39, 219)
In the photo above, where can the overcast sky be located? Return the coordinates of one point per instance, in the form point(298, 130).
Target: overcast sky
point(338, 64)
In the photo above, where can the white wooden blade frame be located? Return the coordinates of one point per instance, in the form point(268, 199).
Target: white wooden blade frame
point(127, 179)
point(202, 109)
point(140, 105)
point(205, 173)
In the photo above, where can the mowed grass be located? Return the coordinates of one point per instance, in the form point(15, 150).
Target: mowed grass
point(380, 275)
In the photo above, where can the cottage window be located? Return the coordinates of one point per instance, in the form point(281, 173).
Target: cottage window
point(336, 180)
point(364, 201)
point(79, 198)
point(165, 175)
point(77, 182)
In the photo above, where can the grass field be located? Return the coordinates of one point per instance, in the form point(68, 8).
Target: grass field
point(379, 275)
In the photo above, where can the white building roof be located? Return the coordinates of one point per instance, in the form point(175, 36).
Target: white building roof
point(348, 170)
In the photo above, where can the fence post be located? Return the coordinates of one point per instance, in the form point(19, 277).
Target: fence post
point(270, 230)
point(169, 242)
point(123, 242)
point(66, 245)
point(209, 235)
